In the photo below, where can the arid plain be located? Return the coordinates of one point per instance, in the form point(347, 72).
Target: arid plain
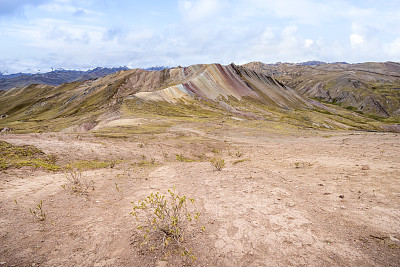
point(311, 198)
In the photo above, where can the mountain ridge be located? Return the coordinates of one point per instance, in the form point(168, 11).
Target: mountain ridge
point(54, 78)
point(211, 91)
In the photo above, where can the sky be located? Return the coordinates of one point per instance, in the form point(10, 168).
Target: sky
point(41, 35)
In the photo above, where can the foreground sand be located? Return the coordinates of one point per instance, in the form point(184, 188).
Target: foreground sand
point(311, 199)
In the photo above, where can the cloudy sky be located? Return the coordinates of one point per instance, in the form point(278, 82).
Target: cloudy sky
point(80, 34)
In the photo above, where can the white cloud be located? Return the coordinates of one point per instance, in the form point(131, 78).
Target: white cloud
point(267, 36)
point(86, 32)
point(393, 49)
point(308, 43)
point(197, 10)
point(356, 39)
point(64, 7)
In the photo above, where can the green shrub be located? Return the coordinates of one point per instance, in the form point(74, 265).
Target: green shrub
point(218, 163)
point(164, 220)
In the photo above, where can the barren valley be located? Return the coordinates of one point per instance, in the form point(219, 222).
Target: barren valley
point(312, 198)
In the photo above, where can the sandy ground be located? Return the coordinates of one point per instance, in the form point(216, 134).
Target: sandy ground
point(311, 199)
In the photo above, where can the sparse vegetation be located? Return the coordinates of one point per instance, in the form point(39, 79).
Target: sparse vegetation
point(52, 159)
point(112, 163)
point(180, 157)
point(218, 163)
point(38, 211)
point(14, 156)
point(77, 184)
point(301, 164)
point(164, 220)
point(238, 154)
point(215, 151)
point(239, 161)
point(88, 165)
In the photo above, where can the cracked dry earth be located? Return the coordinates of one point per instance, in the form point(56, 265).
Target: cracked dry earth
point(300, 199)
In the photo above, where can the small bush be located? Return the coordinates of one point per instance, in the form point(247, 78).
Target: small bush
point(238, 154)
point(182, 158)
point(218, 163)
point(77, 185)
point(112, 163)
point(164, 222)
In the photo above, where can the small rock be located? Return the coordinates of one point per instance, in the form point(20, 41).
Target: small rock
point(6, 129)
point(365, 167)
point(394, 238)
point(3, 263)
point(321, 184)
point(162, 264)
point(341, 196)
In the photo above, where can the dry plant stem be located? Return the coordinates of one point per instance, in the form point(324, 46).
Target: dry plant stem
point(38, 211)
point(77, 184)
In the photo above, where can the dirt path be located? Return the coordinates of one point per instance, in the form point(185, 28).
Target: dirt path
point(324, 199)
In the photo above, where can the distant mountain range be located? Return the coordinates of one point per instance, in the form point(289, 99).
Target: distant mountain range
point(54, 78)
point(59, 77)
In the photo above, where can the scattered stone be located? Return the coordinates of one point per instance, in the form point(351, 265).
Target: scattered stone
point(394, 239)
point(341, 196)
point(365, 167)
point(6, 129)
point(162, 264)
point(321, 184)
point(326, 193)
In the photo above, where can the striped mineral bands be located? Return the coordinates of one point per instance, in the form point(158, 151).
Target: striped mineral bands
point(214, 80)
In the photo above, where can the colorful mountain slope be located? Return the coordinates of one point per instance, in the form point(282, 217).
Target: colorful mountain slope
point(208, 91)
point(372, 88)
